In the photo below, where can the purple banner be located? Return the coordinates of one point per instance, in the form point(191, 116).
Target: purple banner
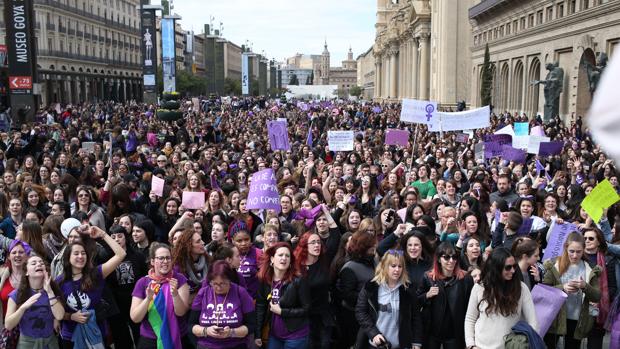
point(511, 154)
point(548, 301)
point(501, 139)
point(397, 137)
point(550, 148)
point(264, 191)
point(526, 226)
point(492, 149)
point(278, 135)
point(557, 236)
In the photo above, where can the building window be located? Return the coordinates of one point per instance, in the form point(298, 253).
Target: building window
point(539, 14)
point(508, 29)
point(501, 31)
point(530, 20)
point(515, 25)
point(549, 13)
point(50, 44)
point(559, 11)
point(572, 5)
point(586, 4)
point(522, 23)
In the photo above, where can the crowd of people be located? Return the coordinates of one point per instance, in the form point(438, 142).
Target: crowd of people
point(416, 246)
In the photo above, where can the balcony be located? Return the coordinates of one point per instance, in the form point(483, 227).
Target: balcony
point(87, 36)
point(88, 58)
point(80, 33)
point(62, 29)
point(71, 31)
point(50, 26)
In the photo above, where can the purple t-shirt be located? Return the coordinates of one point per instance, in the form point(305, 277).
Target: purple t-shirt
point(222, 310)
point(278, 328)
point(248, 269)
point(140, 291)
point(78, 300)
point(38, 320)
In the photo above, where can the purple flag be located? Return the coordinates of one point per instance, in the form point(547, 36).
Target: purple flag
point(550, 148)
point(548, 301)
point(376, 110)
point(278, 135)
point(309, 137)
point(492, 149)
point(397, 137)
point(264, 191)
point(557, 236)
point(517, 155)
point(526, 226)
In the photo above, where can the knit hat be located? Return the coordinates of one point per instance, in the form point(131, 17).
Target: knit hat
point(68, 225)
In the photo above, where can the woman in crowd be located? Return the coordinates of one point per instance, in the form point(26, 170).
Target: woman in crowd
point(250, 256)
point(527, 253)
point(283, 301)
point(82, 285)
point(142, 236)
point(387, 308)
point(571, 273)
point(444, 294)
point(34, 306)
point(222, 313)
point(218, 237)
point(53, 240)
point(85, 203)
point(190, 259)
point(471, 255)
point(163, 294)
point(497, 303)
point(596, 254)
point(313, 263)
point(11, 274)
point(351, 279)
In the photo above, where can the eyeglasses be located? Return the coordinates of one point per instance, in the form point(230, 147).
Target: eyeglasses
point(590, 238)
point(510, 267)
point(83, 196)
point(219, 284)
point(448, 257)
point(395, 252)
point(163, 258)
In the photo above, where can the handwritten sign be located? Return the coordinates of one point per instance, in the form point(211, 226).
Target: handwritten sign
point(157, 186)
point(462, 137)
point(557, 236)
point(471, 119)
point(264, 191)
point(537, 131)
point(550, 148)
point(479, 151)
point(511, 154)
point(533, 145)
point(522, 128)
point(397, 137)
point(340, 140)
point(506, 130)
point(278, 135)
point(420, 112)
point(601, 197)
point(193, 200)
point(88, 146)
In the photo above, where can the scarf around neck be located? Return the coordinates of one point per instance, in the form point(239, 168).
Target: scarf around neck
point(200, 268)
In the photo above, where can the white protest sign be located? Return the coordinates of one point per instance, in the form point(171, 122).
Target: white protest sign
point(88, 146)
point(534, 143)
point(470, 119)
point(420, 112)
point(520, 142)
point(340, 140)
point(506, 131)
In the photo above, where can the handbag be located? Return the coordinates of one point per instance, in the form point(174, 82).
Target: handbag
point(9, 338)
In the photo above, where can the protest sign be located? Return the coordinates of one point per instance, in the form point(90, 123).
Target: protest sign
point(600, 198)
point(376, 110)
point(501, 139)
point(526, 226)
point(557, 236)
point(479, 151)
point(533, 145)
point(548, 302)
point(520, 142)
point(157, 186)
point(420, 112)
point(462, 137)
point(397, 137)
point(522, 128)
point(471, 119)
point(195, 104)
point(278, 135)
point(193, 200)
point(493, 144)
point(340, 140)
point(511, 154)
point(264, 191)
point(88, 146)
point(550, 148)
point(402, 213)
point(537, 131)
point(507, 130)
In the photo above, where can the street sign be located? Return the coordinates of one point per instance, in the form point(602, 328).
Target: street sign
point(20, 82)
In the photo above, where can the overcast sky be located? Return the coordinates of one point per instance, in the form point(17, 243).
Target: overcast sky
point(284, 27)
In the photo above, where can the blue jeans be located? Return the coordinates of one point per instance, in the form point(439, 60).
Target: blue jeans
point(275, 343)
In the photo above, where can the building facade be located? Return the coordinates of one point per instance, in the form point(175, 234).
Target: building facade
point(422, 50)
point(87, 50)
point(303, 75)
point(524, 36)
point(366, 73)
point(344, 76)
point(302, 61)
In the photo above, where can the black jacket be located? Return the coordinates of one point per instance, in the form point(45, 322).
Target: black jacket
point(409, 317)
point(294, 301)
point(454, 295)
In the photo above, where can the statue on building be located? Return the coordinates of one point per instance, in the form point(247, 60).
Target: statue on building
point(553, 88)
point(595, 72)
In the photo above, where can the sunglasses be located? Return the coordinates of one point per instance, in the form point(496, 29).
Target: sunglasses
point(448, 257)
point(590, 238)
point(510, 267)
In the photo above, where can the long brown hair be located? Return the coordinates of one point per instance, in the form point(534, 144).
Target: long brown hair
point(564, 260)
point(182, 251)
point(502, 296)
point(265, 272)
point(88, 280)
point(24, 285)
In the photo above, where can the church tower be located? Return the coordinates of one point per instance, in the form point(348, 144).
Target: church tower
point(325, 66)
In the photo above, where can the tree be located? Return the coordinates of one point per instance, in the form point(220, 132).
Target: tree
point(486, 84)
point(232, 87)
point(294, 80)
point(356, 91)
point(166, 5)
point(189, 84)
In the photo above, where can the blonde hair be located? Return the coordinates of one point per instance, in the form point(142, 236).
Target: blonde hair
point(381, 271)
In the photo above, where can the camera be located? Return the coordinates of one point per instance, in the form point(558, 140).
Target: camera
point(390, 216)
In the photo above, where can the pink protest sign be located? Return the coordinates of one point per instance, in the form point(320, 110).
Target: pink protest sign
point(193, 200)
point(537, 131)
point(157, 186)
point(397, 137)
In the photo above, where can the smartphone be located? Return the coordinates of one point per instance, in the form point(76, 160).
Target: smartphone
point(219, 329)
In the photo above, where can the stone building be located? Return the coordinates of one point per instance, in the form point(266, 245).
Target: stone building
point(366, 73)
point(421, 50)
point(344, 76)
point(87, 50)
point(524, 36)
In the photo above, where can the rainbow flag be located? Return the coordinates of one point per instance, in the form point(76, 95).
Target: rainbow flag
point(163, 320)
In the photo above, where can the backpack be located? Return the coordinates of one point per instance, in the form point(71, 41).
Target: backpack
point(516, 341)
